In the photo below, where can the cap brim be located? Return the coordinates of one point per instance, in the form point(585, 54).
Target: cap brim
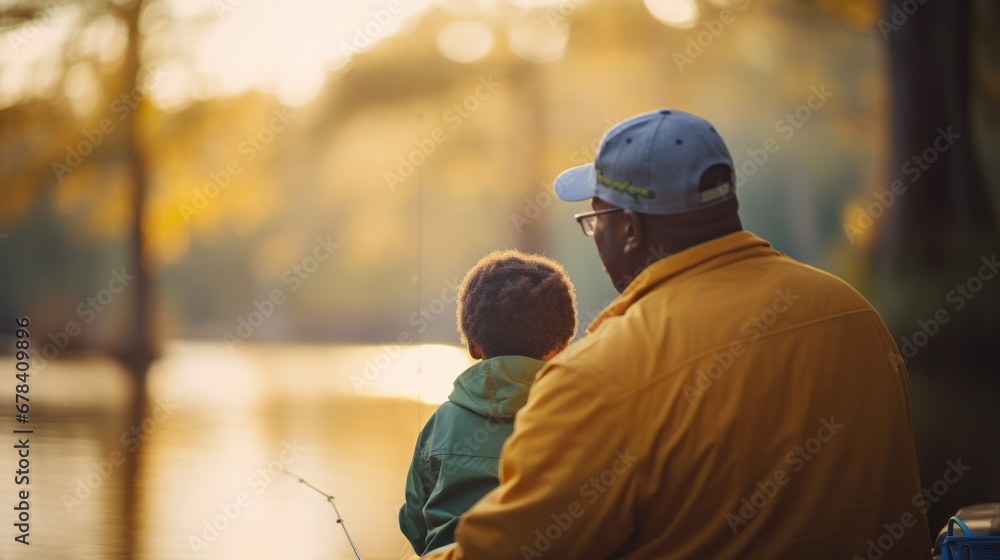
point(577, 183)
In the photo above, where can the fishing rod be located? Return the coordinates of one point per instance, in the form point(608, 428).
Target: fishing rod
point(329, 498)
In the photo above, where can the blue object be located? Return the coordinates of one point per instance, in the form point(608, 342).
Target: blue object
point(967, 546)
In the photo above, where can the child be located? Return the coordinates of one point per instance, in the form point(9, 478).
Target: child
point(515, 311)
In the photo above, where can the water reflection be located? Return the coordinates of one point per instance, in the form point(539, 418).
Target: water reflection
point(218, 429)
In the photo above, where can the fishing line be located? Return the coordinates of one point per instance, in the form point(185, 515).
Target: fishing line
point(329, 498)
point(420, 262)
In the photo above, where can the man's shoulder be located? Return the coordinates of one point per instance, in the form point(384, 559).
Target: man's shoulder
point(825, 285)
point(599, 362)
point(602, 348)
point(750, 282)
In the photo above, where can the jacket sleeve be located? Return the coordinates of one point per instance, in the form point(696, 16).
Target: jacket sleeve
point(461, 481)
point(567, 478)
point(411, 515)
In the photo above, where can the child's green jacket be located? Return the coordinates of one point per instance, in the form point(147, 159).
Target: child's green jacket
point(457, 452)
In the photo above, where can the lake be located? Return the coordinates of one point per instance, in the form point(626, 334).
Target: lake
point(218, 431)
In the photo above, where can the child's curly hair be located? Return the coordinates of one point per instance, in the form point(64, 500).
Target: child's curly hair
point(516, 304)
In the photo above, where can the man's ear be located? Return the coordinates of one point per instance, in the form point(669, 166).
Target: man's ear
point(475, 351)
point(633, 232)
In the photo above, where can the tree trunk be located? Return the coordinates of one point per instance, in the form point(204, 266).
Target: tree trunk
point(934, 234)
point(931, 247)
point(139, 351)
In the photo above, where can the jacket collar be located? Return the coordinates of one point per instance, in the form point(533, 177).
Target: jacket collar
point(694, 260)
point(496, 387)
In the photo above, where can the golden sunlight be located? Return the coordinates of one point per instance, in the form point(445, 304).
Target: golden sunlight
point(425, 373)
point(465, 41)
point(682, 14)
point(289, 51)
point(213, 370)
point(536, 38)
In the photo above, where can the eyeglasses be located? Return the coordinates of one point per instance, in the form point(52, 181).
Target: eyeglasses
point(588, 220)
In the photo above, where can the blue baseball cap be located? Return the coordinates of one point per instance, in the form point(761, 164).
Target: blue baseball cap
point(661, 162)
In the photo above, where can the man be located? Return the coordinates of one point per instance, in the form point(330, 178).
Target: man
point(730, 403)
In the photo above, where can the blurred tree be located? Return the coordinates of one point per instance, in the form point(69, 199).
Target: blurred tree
point(123, 149)
point(933, 254)
point(137, 352)
point(937, 230)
